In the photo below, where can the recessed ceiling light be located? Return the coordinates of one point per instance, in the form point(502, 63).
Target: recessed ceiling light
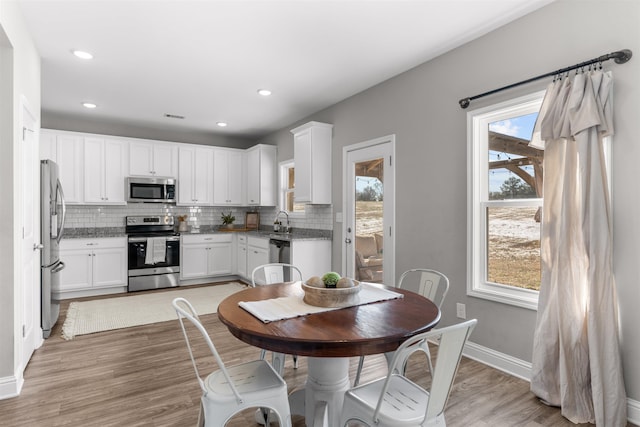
point(89, 105)
point(222, 124)
point(82, 54)
point(264, 92)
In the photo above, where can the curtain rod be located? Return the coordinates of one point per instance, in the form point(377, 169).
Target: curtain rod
point(620, 57)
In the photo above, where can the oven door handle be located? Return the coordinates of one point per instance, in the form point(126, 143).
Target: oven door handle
point(144, 239)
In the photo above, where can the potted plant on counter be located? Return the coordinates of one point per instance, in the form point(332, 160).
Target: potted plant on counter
point(227, 220)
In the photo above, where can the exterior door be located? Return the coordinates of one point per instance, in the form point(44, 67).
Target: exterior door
point(369, 206)
point(31, 334)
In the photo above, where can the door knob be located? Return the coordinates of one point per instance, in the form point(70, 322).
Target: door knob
point(37, 246)
point(347, 240)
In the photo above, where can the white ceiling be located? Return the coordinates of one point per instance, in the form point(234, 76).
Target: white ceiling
point(206, 59)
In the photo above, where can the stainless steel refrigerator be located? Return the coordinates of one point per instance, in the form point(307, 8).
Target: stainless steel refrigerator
point(52, 216)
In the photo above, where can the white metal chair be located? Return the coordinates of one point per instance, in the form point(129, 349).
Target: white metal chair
point(396, 401)
point(431, 284)
point(268, 274)
point(227, 391)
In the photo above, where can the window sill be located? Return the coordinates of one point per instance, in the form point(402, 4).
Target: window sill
point(524, 298)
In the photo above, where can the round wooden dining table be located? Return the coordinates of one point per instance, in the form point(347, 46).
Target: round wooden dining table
point(329, 339)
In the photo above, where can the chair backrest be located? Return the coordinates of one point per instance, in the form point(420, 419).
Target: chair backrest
point(452, 341)
point(268, 274)
point(430, 284)
point(185, 310)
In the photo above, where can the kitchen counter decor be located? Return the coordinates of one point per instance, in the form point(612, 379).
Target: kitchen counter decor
point(227, 220)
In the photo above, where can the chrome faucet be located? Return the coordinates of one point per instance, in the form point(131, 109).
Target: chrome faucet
point(286, 228)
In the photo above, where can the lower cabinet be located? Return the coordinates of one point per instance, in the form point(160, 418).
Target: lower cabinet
point(257, 253)
point(205, 255)
point(241, 255)
point(92, 265)
point(312, 257)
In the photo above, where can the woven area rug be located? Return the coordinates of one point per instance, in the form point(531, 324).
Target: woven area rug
point(88, 317)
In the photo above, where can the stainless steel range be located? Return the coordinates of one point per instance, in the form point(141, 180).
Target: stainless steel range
point(154, 252)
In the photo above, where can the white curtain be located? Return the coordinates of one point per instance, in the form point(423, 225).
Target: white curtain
point(576, 355)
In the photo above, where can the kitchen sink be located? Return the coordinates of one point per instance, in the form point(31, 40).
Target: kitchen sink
point(280, 236)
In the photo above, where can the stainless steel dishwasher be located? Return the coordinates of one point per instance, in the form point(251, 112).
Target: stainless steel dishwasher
point(280, 251)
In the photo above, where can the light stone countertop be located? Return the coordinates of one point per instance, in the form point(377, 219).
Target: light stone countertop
point(295, 234)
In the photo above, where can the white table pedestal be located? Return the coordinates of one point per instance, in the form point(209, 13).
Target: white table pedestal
point(327, 380)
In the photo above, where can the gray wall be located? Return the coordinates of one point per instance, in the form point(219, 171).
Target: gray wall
point(87, 124)
point(420, 107)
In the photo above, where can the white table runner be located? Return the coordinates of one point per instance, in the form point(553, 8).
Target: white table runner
point(288, 307)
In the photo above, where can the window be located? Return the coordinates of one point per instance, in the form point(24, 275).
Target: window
point(287, 182)
point(505, 203)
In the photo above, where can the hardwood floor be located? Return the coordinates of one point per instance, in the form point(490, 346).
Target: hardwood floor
point(142, 376)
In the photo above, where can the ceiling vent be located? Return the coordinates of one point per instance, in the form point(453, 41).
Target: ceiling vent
point(173, 116)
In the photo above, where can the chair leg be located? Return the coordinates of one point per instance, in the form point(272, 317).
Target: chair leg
point(359, 371)
point(430, 364)
point(262, 416)
point(265, 415)
point(201, 416)
point(263, 354)
point(295, 361)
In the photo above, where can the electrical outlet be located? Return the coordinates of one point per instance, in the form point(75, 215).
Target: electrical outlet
point(461, 311)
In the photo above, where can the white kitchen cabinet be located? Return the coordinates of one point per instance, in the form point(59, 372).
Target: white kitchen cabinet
point(205, 255)
point(66, 149)
point(195, 175)
point(257, 253)
point(261, 175)
point(312, 162)
point(241, 255)
point(104, 171)
point(151, 158)
point(312, 257)
point(92, 265)
point(47, 146)
point(227, 177)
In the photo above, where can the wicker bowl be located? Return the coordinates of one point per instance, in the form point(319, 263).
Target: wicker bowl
point(331, 297)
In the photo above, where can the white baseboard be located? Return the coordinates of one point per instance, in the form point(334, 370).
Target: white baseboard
point(10, 387)
point(522, 369)
point(500, 361)
point(633, 411)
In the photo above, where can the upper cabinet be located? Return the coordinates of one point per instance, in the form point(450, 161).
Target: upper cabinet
point(312, 162)
point(93, 169)
point(195, 175)
point(150, 158)
point(261, 175)
point(228, 176)
point(104, 163)
point(66, 150)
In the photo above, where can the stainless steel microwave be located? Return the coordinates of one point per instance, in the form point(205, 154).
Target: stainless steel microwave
point(150, 190)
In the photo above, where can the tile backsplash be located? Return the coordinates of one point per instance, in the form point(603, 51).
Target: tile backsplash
point(319, 217)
